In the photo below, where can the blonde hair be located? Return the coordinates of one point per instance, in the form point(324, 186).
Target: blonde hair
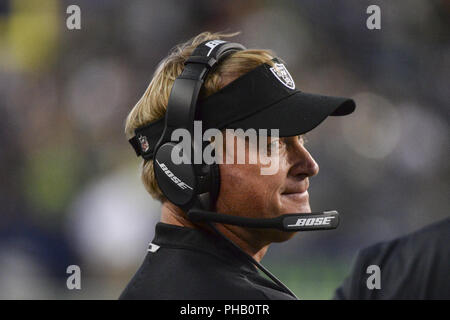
point(152, 105)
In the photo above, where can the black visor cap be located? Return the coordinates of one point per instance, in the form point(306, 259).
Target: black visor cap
point(264, 99)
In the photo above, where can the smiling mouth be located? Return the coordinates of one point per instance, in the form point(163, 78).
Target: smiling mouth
point(297, 196)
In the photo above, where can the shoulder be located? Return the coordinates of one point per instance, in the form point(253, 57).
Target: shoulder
point(178, 273)
point(423, 244)
point(411, 266)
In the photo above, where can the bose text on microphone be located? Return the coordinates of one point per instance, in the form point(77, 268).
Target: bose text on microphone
point(287, 222)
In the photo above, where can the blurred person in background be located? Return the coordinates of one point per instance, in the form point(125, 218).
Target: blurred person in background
point(186, 259)
point(415, 266)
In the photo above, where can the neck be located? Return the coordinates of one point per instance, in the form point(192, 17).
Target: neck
point(245, 240)
point(171, 214)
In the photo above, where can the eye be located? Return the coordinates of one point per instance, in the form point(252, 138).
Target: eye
point(274, 144)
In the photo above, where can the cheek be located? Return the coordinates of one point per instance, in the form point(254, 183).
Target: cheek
point(238, 182)
point(244, 190)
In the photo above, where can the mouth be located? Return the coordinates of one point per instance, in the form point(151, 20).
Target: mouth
point(298, 192)
point(296, 196)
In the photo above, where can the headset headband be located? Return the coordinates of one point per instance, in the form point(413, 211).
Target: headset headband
point(182, 106)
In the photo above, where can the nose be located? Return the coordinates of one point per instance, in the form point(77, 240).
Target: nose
point(303, 164)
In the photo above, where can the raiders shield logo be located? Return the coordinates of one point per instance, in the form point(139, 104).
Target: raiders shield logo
point(144, 143)
point(283, 75)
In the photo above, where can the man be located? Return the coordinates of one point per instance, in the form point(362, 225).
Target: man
point(415, 266)
point(247, 89)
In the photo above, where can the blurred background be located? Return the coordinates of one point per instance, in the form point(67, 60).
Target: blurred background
point(70, 183)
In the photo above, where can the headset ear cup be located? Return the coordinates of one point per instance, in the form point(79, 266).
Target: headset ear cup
point(214, 184)
point(178, 182)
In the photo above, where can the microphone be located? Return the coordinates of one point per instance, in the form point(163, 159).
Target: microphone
point(325, 220)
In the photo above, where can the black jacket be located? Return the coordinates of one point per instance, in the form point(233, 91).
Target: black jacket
point(416, 266)
point(192, 264)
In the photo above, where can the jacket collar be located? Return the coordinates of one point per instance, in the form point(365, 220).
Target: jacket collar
point(168, 235)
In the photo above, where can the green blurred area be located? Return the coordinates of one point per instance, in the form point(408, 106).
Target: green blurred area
point(315, 279)
point(51, 177)
point(31, 35)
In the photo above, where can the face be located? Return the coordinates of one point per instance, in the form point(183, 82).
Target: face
point(244, 191)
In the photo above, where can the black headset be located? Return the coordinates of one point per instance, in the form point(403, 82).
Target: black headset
point(188, 184)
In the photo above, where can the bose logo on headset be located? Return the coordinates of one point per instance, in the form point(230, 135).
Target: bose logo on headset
point(312, 222)
point(174, 178)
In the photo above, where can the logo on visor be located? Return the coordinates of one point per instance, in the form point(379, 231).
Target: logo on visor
point(282, 74)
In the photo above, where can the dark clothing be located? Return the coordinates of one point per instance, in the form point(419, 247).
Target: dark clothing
point(193, 264)
point(415, 266)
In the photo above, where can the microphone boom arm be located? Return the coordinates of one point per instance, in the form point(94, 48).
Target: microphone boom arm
point(287, 222)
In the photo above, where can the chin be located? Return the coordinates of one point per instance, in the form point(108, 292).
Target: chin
point(279, 236)
point(273, 235)
point(299, 208)
point(295, 204)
